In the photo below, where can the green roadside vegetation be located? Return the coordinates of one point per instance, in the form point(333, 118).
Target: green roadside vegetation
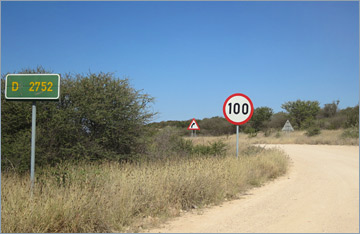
point(102, 166)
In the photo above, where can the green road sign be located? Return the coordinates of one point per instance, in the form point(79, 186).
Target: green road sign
point(32, 86)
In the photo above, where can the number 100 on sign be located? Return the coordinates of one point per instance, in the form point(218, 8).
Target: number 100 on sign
point(238, 109)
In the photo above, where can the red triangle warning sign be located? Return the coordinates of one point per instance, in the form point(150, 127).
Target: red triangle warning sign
point(193, 125)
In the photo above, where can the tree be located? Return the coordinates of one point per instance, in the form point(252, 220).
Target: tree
point(260, 117)
point(330, 109)
point(278, 120)
point(301, 111)
point(351, 116)
point(97, 117)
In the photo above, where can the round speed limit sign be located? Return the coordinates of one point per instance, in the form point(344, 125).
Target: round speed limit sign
point(238, 109)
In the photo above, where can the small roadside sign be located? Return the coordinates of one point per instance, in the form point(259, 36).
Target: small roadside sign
point(287, 127)
point(32, 87)
point(193, 125)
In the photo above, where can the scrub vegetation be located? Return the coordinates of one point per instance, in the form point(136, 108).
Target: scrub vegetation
point(101, 166)
point(112, 196)
point(326, 137)
point(305, 116)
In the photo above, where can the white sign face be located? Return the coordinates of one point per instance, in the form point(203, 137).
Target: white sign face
point(193, 125)
point(238, 109)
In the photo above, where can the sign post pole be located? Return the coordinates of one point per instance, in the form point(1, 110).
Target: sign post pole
point(237, 141)
point(33, 135)
point(0, 126)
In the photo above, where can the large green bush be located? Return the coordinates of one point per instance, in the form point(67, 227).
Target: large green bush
point(97, 117)
point(260, 118)
point(301, 111)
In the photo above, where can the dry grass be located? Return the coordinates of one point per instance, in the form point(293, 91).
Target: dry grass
point(327, 137)
point(112, 197)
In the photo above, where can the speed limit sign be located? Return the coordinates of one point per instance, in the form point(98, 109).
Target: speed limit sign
point(238, 109)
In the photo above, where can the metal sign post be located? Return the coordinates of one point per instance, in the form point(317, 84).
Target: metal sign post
point(33, 135)
point(237, 141)
point(32, 87)
point(238, 109)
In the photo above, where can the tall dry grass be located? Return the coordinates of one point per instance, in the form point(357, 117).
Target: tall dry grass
point(326, 137)
point(111, 197)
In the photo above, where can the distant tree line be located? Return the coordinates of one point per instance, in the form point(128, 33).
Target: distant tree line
point(303, 115)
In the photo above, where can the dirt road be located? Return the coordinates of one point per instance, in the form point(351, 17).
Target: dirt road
point(319, 194)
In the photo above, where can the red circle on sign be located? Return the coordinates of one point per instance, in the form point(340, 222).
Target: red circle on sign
point(251, 112)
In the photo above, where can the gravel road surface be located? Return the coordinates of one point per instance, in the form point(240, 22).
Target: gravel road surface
point(320, 193)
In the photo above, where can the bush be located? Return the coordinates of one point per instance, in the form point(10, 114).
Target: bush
point(168, 143)
point(267, 132)
point(313, 131)
point(97, 117)
point(330, 109)
point(215, 126)
point(260, 118)
point(217, 148)
point(352, 115)
point(250, 131)
point(335, 122)
point(350, 133)
point(300, 111)
point(278, 120)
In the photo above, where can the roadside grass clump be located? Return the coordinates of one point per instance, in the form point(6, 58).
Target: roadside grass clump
point(350, 133)
point(250, 131)
point(328, 137)
point(129, 197)
point(313, 131)
point(168, 143)
point(252, 150)
point(217, 148)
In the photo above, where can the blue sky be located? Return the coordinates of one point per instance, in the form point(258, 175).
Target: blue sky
point(190, 56)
